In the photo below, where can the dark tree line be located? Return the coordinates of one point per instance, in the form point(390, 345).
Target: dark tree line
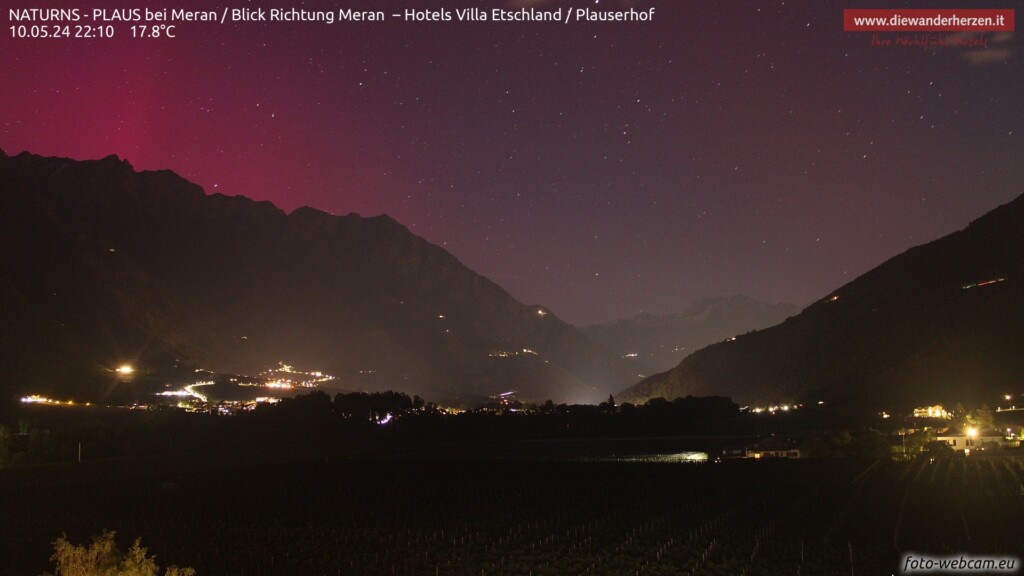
point(316, 423)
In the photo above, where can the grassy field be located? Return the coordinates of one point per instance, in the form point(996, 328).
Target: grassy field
point(520, 516)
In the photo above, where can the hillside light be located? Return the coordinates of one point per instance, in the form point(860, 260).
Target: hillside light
point(125, 369)
point(972, 432)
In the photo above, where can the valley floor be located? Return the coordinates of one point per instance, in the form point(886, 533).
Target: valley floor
point(466, 516)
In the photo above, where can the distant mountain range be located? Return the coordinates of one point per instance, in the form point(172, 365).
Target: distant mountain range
point(104, 265)
point(939, 322)
point(655, 343)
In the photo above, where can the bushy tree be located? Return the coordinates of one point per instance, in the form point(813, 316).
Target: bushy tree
point(981, 418)
point(102, 558)
point(919, 441)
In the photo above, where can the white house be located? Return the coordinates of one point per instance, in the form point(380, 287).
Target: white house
point(972, 439)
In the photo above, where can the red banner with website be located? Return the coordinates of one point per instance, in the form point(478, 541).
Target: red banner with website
point(928, 20)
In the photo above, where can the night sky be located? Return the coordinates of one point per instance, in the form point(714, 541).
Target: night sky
point(599, 169)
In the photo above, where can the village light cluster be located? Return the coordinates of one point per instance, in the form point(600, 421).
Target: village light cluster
point(512, 353)
point(773, 409)
point(192, 399)
point(38, 399)
point(936, 411)
point(189, 390)
point(226, 407)
point(287, 377)
point(284, 377)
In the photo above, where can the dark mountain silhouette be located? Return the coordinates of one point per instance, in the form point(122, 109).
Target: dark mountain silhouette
point(659, 342)
point(940, 322)
point(103, 265)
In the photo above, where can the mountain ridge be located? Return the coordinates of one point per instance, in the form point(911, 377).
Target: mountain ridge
point(657, 342)
point(942, 321)
point(146, 263)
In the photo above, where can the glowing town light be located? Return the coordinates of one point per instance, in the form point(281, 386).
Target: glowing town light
point(972, 432)
point(936, 411)
point(191, 389)
point(36, 399)
point(542, 312)
point(125, 369)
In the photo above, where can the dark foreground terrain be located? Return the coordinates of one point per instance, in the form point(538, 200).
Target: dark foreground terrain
point(519, 516)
